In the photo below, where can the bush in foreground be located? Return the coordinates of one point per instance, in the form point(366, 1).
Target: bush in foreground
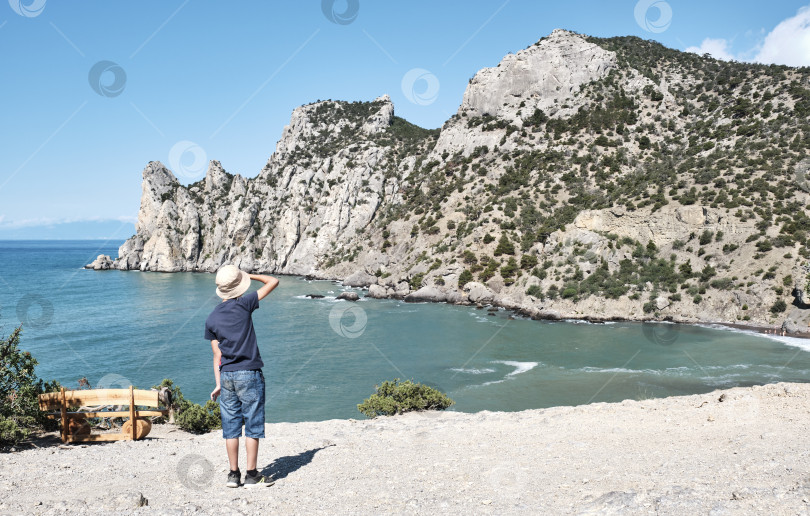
point(199, 419)
point(192, 417)
point(395, 397)
point(19, 391)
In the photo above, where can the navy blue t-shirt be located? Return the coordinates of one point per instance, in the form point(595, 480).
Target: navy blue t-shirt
point(230, 323)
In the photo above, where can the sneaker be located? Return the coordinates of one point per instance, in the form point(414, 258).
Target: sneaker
point(233, 479)
point(258, 480)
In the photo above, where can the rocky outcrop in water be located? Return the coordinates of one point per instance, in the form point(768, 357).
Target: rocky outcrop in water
point(101, 263)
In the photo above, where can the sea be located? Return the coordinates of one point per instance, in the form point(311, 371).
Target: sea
point(323, 356)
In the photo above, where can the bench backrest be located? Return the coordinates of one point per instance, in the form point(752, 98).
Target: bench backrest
point(95, 397)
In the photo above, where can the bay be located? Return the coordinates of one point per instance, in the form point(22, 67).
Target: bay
point(324, 356)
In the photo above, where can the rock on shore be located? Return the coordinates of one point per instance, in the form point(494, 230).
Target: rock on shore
point(738, 451)
point(101, 263)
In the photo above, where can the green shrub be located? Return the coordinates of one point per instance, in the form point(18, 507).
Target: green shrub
point(778, 307)
point(11, 433)
point(395, 397)
point(722, 283)
point(707, 273)
point(528, 261)
point(191, 417)
point(19, 392)
point(488, 238)
point(504, 246)
point(706, 237)
point(536, 291)
point(764, 245)
point(199, 419)
point(508, 270)
point(465, 277)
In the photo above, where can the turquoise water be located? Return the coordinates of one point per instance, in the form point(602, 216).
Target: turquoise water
point(323, 356)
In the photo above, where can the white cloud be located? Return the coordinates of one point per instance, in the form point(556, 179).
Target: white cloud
point(718, 48)
point(789, 42)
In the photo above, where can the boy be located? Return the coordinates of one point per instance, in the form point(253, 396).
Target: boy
point(238, 368)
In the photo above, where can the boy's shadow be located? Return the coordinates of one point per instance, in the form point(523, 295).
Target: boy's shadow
point(283, 466)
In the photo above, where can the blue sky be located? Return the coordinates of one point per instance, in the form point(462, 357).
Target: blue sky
point(184, 81)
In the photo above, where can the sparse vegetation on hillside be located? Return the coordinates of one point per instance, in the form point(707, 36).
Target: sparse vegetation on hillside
point(663, 130)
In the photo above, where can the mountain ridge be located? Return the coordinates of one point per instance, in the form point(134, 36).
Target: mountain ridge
point(581, 177)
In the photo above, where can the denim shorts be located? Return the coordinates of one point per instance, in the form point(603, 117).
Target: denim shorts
point(241, 401)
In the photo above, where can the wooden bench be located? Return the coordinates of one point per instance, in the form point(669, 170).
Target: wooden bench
point(136, 427)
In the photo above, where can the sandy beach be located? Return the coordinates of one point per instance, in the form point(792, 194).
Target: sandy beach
point(737, 451)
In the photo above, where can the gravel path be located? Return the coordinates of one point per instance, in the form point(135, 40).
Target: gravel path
point(689, 455)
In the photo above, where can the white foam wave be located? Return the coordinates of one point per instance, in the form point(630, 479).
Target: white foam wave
point(669, 371)
point(803, 344)
point(796, 342)
point(473, 370)
point(520, 368)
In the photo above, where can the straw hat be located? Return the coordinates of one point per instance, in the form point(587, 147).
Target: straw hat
point(231, 282)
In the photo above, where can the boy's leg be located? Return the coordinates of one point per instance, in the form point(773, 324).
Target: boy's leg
point(230, 408)
point(251, 450)
point(232, 446)
point(253, 412)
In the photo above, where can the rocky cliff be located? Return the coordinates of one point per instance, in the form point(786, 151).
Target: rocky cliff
point(581, 177)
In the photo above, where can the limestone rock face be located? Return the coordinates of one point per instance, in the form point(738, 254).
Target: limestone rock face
point(663, 226)
point(285, 220)
point(543, 76)
point(540, 76)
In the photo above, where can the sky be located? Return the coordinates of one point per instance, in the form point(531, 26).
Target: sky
point(94, 90)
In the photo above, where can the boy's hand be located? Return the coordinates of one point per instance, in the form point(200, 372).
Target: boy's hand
point(215, 393)
point(269, 284)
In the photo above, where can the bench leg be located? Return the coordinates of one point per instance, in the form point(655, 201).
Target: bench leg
point(63, 410)
point(132, 413)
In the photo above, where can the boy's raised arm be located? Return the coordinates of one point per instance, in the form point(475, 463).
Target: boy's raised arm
point(269, 284)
